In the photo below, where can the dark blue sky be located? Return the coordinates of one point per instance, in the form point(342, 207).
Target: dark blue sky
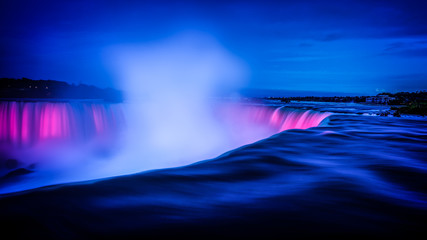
point(353, 47)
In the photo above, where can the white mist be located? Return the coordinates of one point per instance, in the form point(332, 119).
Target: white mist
point(169, 87)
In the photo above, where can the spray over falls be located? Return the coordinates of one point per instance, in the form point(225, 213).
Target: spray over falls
point(26, 125)
point(169, 117)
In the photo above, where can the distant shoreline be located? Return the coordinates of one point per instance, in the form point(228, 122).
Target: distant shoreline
point(51, 90)
point(412, 103)
point(51, 100)
point(408, 103)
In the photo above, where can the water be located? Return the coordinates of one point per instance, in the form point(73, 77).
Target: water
point(29, 123)
point(40, 135)
point(73, 141)
point(355, 173)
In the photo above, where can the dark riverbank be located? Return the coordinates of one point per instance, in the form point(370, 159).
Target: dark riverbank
point(25, 88)
point(401, 103)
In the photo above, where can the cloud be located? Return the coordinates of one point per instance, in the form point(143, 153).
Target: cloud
point(299, 58)
point(422, 53)
point(394, 46)
point(417, 76)
point(408, 48)
point(305, 45)
point(329, 37)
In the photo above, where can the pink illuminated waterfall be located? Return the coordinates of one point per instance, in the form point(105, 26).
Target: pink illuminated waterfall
point(28, 123)
point(248, 123)
point(281, 119)
point(80, 140)
point(44, 128)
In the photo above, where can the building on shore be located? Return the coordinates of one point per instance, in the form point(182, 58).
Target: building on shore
point(380, 99)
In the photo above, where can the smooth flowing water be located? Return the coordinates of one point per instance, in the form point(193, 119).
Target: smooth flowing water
point(57, 142)
point(354, 173)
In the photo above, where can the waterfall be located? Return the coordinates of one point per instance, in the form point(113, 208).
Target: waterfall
point(29, 123)
point(249, 123)
point(77, 140)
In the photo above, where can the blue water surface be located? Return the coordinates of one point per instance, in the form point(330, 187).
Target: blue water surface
point(357, 173)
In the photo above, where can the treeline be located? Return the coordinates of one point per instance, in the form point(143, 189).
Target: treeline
point(356, 99)
point(414, 103)
point(52, 89)
point(402, 102)
point(405, 98)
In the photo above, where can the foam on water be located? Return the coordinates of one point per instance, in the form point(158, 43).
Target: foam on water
point(66, 140)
